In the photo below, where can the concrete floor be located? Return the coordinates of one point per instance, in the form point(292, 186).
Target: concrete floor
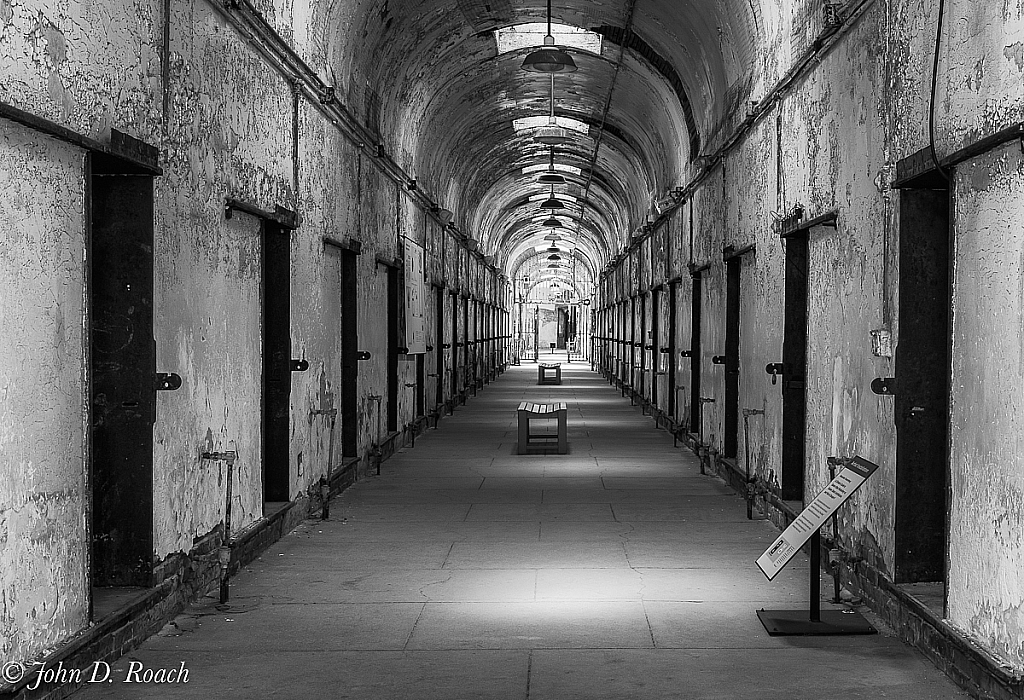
point(466, 571)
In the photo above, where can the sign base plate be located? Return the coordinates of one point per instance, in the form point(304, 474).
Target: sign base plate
point(798, 622)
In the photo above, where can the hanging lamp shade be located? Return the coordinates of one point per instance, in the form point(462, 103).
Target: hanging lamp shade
point(550, 178)
point(553, 249)
point(554, 257)
point(552, 135)
point(553, 223)
point(550, 59)
point(552, 202)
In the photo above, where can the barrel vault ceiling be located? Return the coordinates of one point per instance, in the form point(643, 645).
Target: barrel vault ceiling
point(441, 81)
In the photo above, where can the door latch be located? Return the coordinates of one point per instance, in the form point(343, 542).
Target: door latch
point(774, 369)
point(884, 386)
point(167, 381)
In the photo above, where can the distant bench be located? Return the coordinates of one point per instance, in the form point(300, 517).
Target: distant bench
point(549, 373)
point(527, 411)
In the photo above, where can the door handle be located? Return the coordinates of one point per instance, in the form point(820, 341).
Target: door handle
point(774, 369)
point(167, 381)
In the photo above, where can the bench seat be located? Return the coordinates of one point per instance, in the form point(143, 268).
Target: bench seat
point(528, 411)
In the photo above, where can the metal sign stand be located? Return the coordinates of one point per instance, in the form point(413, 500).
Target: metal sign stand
point(815, 621)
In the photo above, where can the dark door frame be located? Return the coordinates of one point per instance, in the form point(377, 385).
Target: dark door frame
point(730, 440)
point(122, 372)
point(696, 407)
point(276, 331)
point(922, 368)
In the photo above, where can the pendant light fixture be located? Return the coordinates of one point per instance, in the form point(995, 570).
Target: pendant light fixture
point(552, 202)
point(552, 134)
point(553, 223)
point(550, 59)
point(551, 177)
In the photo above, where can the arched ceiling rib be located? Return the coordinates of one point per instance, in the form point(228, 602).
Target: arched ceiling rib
point(427, 74)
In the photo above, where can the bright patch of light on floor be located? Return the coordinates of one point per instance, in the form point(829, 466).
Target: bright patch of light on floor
point(524, 36)
point(529, 123)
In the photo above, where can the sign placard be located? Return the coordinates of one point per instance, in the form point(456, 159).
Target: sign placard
point(415, 299)
point(853, 474)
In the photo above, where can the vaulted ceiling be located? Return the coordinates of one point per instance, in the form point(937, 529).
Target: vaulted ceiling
point(656, 79)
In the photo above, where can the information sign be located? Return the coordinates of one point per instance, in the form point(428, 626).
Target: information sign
point(855, 472)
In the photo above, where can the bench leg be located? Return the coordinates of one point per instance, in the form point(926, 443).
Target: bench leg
point(524, 433)
point(563, 437)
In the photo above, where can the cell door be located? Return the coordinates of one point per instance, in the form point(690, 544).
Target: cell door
point(732, 356)
point(696, 408)
point(123, 374)
point(655, 345)
point(794, 369)
point(394, 337)
point(922, 393)
point(673, 323)
point(349, 355)
point(277, 373)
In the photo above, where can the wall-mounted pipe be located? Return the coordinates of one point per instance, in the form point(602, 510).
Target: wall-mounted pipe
point(747, 413)
point(704, 450)
point(224, 552)
point(376, 449)
point(325, 479)
point(412, 426)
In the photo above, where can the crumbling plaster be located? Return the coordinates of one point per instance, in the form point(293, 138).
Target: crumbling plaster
point(43, 395)
point(986, 509)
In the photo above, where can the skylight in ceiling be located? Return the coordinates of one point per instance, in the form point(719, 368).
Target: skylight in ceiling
point(541, 197)
point(530, 123)
point(524, 36)
point(558, 166)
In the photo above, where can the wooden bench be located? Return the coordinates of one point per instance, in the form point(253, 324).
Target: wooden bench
point(549, 373)
point(527, 411)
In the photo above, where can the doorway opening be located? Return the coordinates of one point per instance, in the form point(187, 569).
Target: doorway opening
point(394, 321)
point(673, 326)
point(349, 355)
point(123, 381)
point(696, 407)
point(922, 398)
point(277, 370)
point(439, 346)
point(655, 345)
point(794, 363)
point(455, 347)
point(732, 357)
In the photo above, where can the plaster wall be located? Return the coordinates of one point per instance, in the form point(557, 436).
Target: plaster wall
point(328, 203)
point(228, 134)
point(44, 589)
point(834, 149)
point(986, 515)
point(981, 73)
point(88, 66)
point(708, 241)
point(750, 205)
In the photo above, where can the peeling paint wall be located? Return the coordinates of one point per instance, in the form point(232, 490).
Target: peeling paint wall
point(228, 135)
point(982, 71)
point(227, 124)
point(44, 591)
point(825, 147)
point(986, 583)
